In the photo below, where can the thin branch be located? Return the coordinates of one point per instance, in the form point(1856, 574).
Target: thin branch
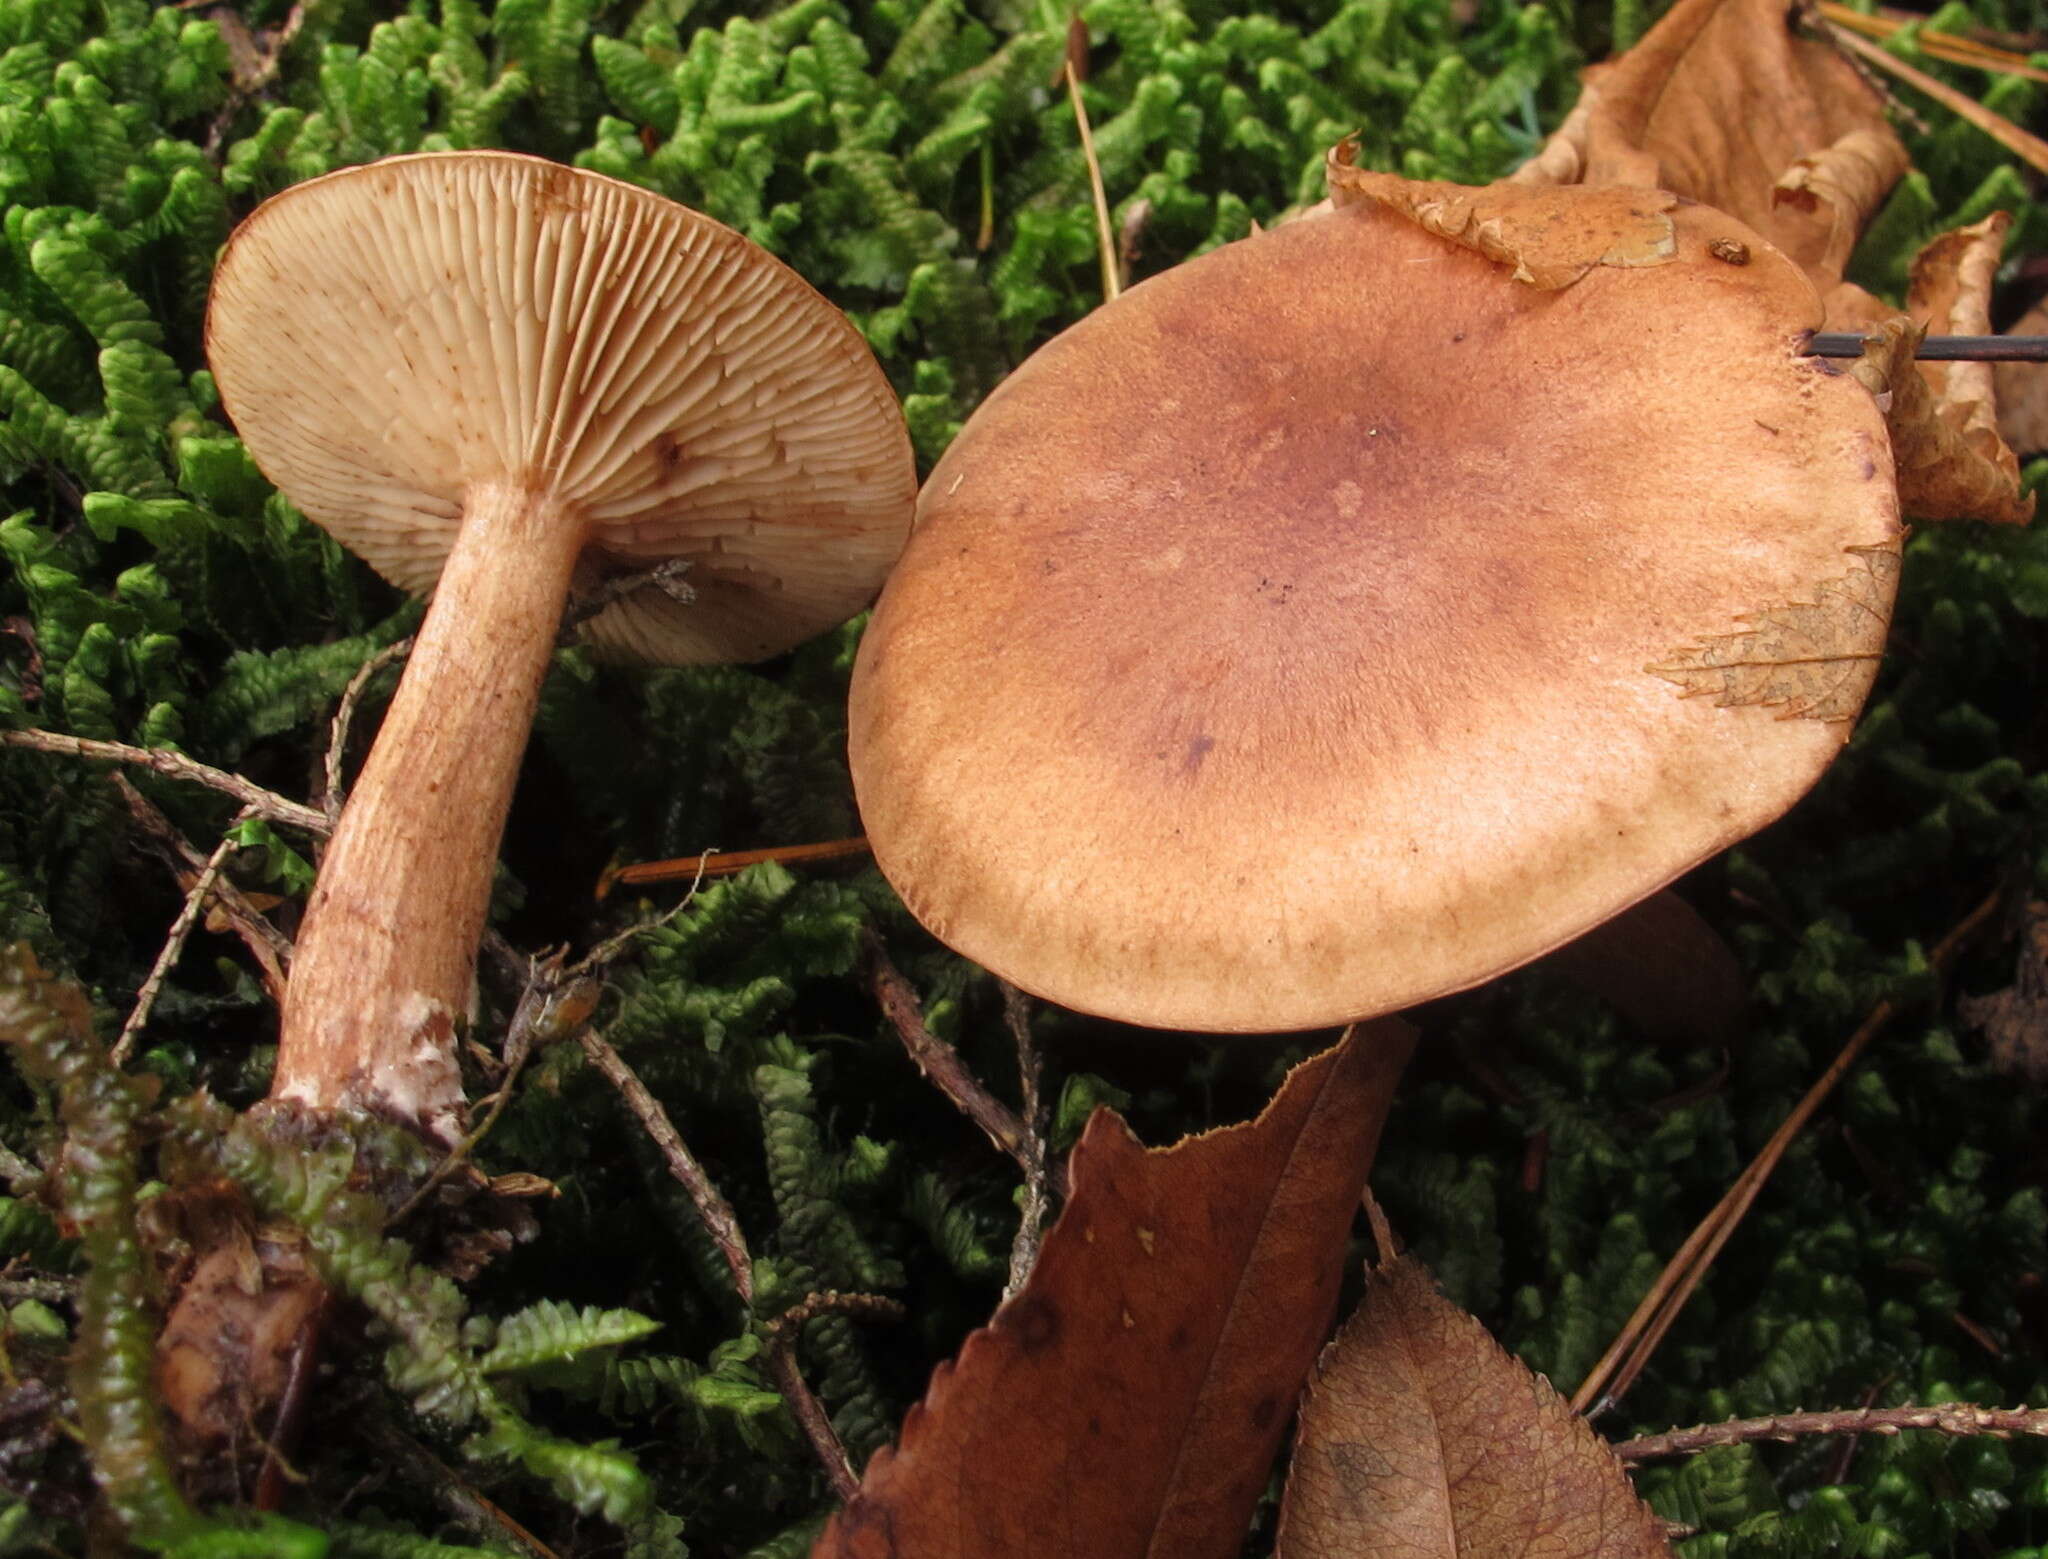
point(174, 944)
point(719, 1218)
point(265, 804)
point(1644, 1330)
point(464, 1504)
point(781, 1335)
point(344, 717)
point(723, 863)
point(1956, 1418)
point(1037, 1176)
point(265, 942)
point(555, 1005)
point(47, 1291)
point(939, 1061)
point(724, 1228)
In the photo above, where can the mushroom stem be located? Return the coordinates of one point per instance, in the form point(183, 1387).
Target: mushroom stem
point(385, 956)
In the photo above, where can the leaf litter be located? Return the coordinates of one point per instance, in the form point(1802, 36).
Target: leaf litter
point(1130, 1399)
point(1422, 1438)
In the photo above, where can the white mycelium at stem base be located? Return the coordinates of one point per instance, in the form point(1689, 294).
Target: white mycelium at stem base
point(382, 967)
point(538, 375)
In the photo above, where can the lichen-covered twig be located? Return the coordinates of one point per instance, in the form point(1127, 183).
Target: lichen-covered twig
point(174, 943)
point(173, 765)
point(344, 717)
point(1038, 1173)
point(1640, 1335)
point(1956, 1418)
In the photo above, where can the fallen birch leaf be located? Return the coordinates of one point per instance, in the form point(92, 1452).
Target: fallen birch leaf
point(1421, 1438)
point(1551, 237)
point(1812, 660)
point(1130, 1399)
point(1814, 156)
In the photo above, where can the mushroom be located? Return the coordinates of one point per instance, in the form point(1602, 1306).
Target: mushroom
point(1337, 620)
point(499, 378)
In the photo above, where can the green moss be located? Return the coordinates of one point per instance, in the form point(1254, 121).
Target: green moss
point(153, 589)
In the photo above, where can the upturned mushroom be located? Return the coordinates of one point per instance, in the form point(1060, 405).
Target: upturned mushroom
point(1366, 608)
point(498, 378)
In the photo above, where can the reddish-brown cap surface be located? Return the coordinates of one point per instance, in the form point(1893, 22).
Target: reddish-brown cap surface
point(1334, 621)
point(389, 338)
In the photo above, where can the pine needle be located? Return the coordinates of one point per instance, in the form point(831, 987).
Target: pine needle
point(1640, 1335)
point(1105, 241)
point(2031, 149)
point(1948, 46)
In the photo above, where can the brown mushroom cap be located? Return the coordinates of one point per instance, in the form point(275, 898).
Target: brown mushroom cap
point(390, 337)
point(1311, 631)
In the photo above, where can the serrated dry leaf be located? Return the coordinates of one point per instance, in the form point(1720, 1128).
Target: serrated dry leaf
point(1422, 1439)
point(1130, 1399)
point(1723, 103)
point(1950, 462)
point(1812, 660)
point(1549, 236)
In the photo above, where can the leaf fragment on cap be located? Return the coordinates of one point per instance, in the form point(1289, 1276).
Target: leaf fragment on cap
point(1943, 417)
point(1810, 660)
point(1552, 236)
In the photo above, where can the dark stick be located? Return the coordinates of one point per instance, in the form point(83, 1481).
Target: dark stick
point(1949, 349)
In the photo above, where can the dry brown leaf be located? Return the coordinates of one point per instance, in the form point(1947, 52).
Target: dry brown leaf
point(1130, 1399)
point(1422, 1439)
point(1670, 973)
point(2015, 1020)
point(1551, 237)
point(2022, 390)
point(1812, 660)
point(1722, 103)
point(1950, 462)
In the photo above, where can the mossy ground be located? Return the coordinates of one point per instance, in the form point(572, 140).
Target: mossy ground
point(914, 161)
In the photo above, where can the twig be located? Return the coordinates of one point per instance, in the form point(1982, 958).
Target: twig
point(344, 716)
point(1956, 1418)
point(265, 942)
point(174, 944)
point(551, 1008)
point(22, 1177)
point(46, 1291)
point(1037, 1192)
point(250, 77)
point(724, 1227)
point(781, 1335)
point(1644, 1330)
point(464, 1505)
point(939, 1061)
point(723, 863)
point(719, 1220)
point(265, 804)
